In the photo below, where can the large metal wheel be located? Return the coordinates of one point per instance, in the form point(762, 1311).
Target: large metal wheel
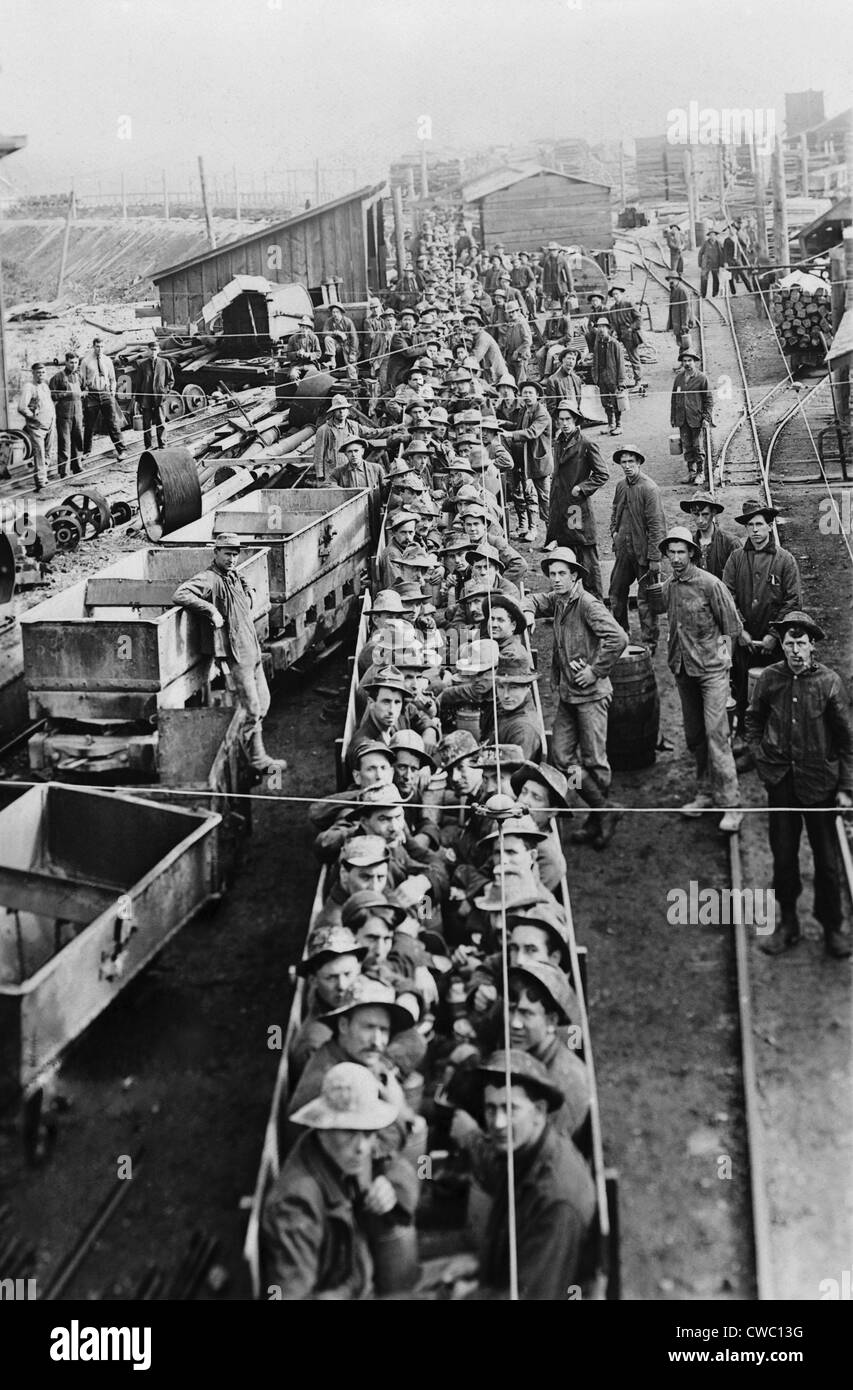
point(8, 550)
point(121, 512)
point(67, 529)
point(194, 398)
point(92, 509)
point(173, 405)
point(168, 489)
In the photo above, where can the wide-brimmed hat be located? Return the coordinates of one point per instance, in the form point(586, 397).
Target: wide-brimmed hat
point(417, 448)
point(388, 678)
point(553, 246)
point(537, 386)
point(753, 506)
point(490, 422)
point(507, 380)
point(497, 600)
point(688, 352)
point(568, 557)
point(349, 1099)
point(471, 313)
point(418, 558)
point(468, 416)
point(701, 499)
point(410, 592)
point(371, 798)
point(515, 670)
point(459, 465)
point(362, 851)
point(456, 746)
point(678, 533)
point(550, 979)
point(305, 319)
point(484, 551)
point(438, 415)
point(522, 825)
point(457, 375)
point(797, 618)
point(326, 942)
point(399, 518)
point(550, 777)
point(399, 469)
point(628, 449)
point(524, 1069)
point(409, 310)
point(408, 741)
point(454, 542)
point(510, 895)
point(339, 403)
point(566, 404)
point(387, 601)
point(365, 991)
point(478, 656)
point(355, 439)
point(548, 918)
point(229, 540)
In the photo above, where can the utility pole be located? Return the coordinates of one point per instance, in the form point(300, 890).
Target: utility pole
point(804, 164)
point(780, 206)
point(410, 175)
point(123, 198)
point(721, 172)
point(760, 209)
point(622, 196)
point(692, 210)
point(165, 197)
point(316, 182)
point(399, 230)
point(211, 235)
point(64, 257)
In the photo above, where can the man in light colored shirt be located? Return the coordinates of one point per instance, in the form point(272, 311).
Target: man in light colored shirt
point(98, 376)
point(35, 404)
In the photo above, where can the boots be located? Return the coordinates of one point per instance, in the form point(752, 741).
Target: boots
point(837, 943)
point(785, 936)
point(607, 822)
point(259, 759)
point(589, 832)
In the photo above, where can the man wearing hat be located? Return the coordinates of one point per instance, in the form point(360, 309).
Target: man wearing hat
point(387, 694)
point(356, 470)
point(482, 529)
point(674, 238)
point(555, 1200)
point(564, 384)
point(587, 642)
point(764, 580)
point(332, 960)
point(798, 727)
point(608, 371)
point(703, 623)
point(413, 766)
point(495, 450)
point(400, 527)
point(390, 631)
point(331, 436)
point(506, 407)
point(637, 526)
point(372, 765)
point(691, 408)
point(597, 311)
point(543, 792)
point(715, 546)
point(303, 346)
point(557, 280)
point(341, 340)
point(627, 323)
point(315, 1228)
point(516, 341)
point(579, 471)
point(385, 345)
point(710, 261)
point(529, 442)
point(483, 346)
point(362, 866)
point(523, 277)
point(679, 319)
point(221, 595)
point(379, 812)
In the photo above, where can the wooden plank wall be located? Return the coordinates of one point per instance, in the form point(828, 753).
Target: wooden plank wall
point(547, 208)
point(331, 244)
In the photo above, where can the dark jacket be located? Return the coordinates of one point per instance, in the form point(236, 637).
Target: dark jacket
point(637, 520)
point(530, 440)
point(692, 401)
point(557, 279)
point(554, 1206)
point(627, 324)
point(583, 628)
point(714, 556)
point(801, 724)
point(608, 365)
point(679, 318)
point(153, 380)
point(312, 1237)
point(577, 463)
point(764, 584)
point(710, 256)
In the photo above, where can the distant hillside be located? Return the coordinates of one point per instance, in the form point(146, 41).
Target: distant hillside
point(108, 259)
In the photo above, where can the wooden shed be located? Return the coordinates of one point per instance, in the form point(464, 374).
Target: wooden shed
point(527, 207)
point(827, 230)
point(343, 239)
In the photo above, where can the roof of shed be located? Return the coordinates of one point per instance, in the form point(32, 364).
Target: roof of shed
point(498, 179)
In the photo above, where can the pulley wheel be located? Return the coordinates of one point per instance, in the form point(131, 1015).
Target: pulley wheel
point(121, 512)
point(194, 398)
point(173, 405)
point(92, 509)
point(168, 489)
point(67, 529)
point(8, 548)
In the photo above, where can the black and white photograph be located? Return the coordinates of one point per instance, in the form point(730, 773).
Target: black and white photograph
point(426, 746)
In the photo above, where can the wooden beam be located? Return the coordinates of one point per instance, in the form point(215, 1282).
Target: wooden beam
point(211, 235)
point(69, 900)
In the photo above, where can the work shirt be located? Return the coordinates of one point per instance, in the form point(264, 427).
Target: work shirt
point(97, 373)
point(801, 724)
point(702, 622)
point(230, 595)
point(637, 521)
point(583, 628)
point(36, 400)
point(764, 584)
point(66, 390)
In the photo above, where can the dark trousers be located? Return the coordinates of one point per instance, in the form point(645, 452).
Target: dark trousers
point(785, 830)
point(676, 260)
point(69, 441)
point(743, 658)
point(633, 355)
point(738, 273)
point(693, 448)
point(715, 282)
point(610, 402)
point(101, 414)
point(152, 418)
point(625, 570)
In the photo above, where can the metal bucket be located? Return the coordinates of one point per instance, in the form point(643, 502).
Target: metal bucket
point(468, 717)
point(168, 489)
point(731, 711)
point(751, 677)
point(675, 443)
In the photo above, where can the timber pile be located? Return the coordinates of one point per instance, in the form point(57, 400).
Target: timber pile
point(802, 316)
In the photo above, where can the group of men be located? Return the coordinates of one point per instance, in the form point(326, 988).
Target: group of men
point(79, 401)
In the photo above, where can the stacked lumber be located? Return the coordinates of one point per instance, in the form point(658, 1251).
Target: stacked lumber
point(803, 316)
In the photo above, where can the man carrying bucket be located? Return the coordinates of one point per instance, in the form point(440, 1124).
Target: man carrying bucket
point(702, 623)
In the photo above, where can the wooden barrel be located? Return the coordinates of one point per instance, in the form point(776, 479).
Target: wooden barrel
point(634, 717)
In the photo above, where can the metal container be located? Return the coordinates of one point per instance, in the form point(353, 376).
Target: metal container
point(675, 443)
point(751, 680)
point(115, 646)
point(92, 885)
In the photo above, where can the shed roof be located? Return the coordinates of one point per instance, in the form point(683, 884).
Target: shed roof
point(841, 211)
point(499, 179)
point(368, 194)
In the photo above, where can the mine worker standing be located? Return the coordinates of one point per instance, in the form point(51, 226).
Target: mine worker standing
point(517, 341)
point(356, 470)
point(674, 238)
point(557, 280)
point(154, 380)
point(679, 318)
point(579, 471)
point(703, 622)
point(331, 436)
point(691, 407)
point(35, 404)
point(764, 580)
point(564, 384)
point(98, 376)
point(715, 546)
point(798, 726)
point(710, 261)
point(627, 326)
point(223, 596)
point(587, 642)
point(608, 373)
point(67, 392)
point(637, 525)
point(529, 442)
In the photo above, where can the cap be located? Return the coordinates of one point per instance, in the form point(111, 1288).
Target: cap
point(456, 746)
point(326, 942)
point(361, 851)
point(371, 745)
point(515, 670)
point(228, 540)
point(701, 499)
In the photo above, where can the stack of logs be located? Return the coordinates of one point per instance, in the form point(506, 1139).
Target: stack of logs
point(801, 316)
